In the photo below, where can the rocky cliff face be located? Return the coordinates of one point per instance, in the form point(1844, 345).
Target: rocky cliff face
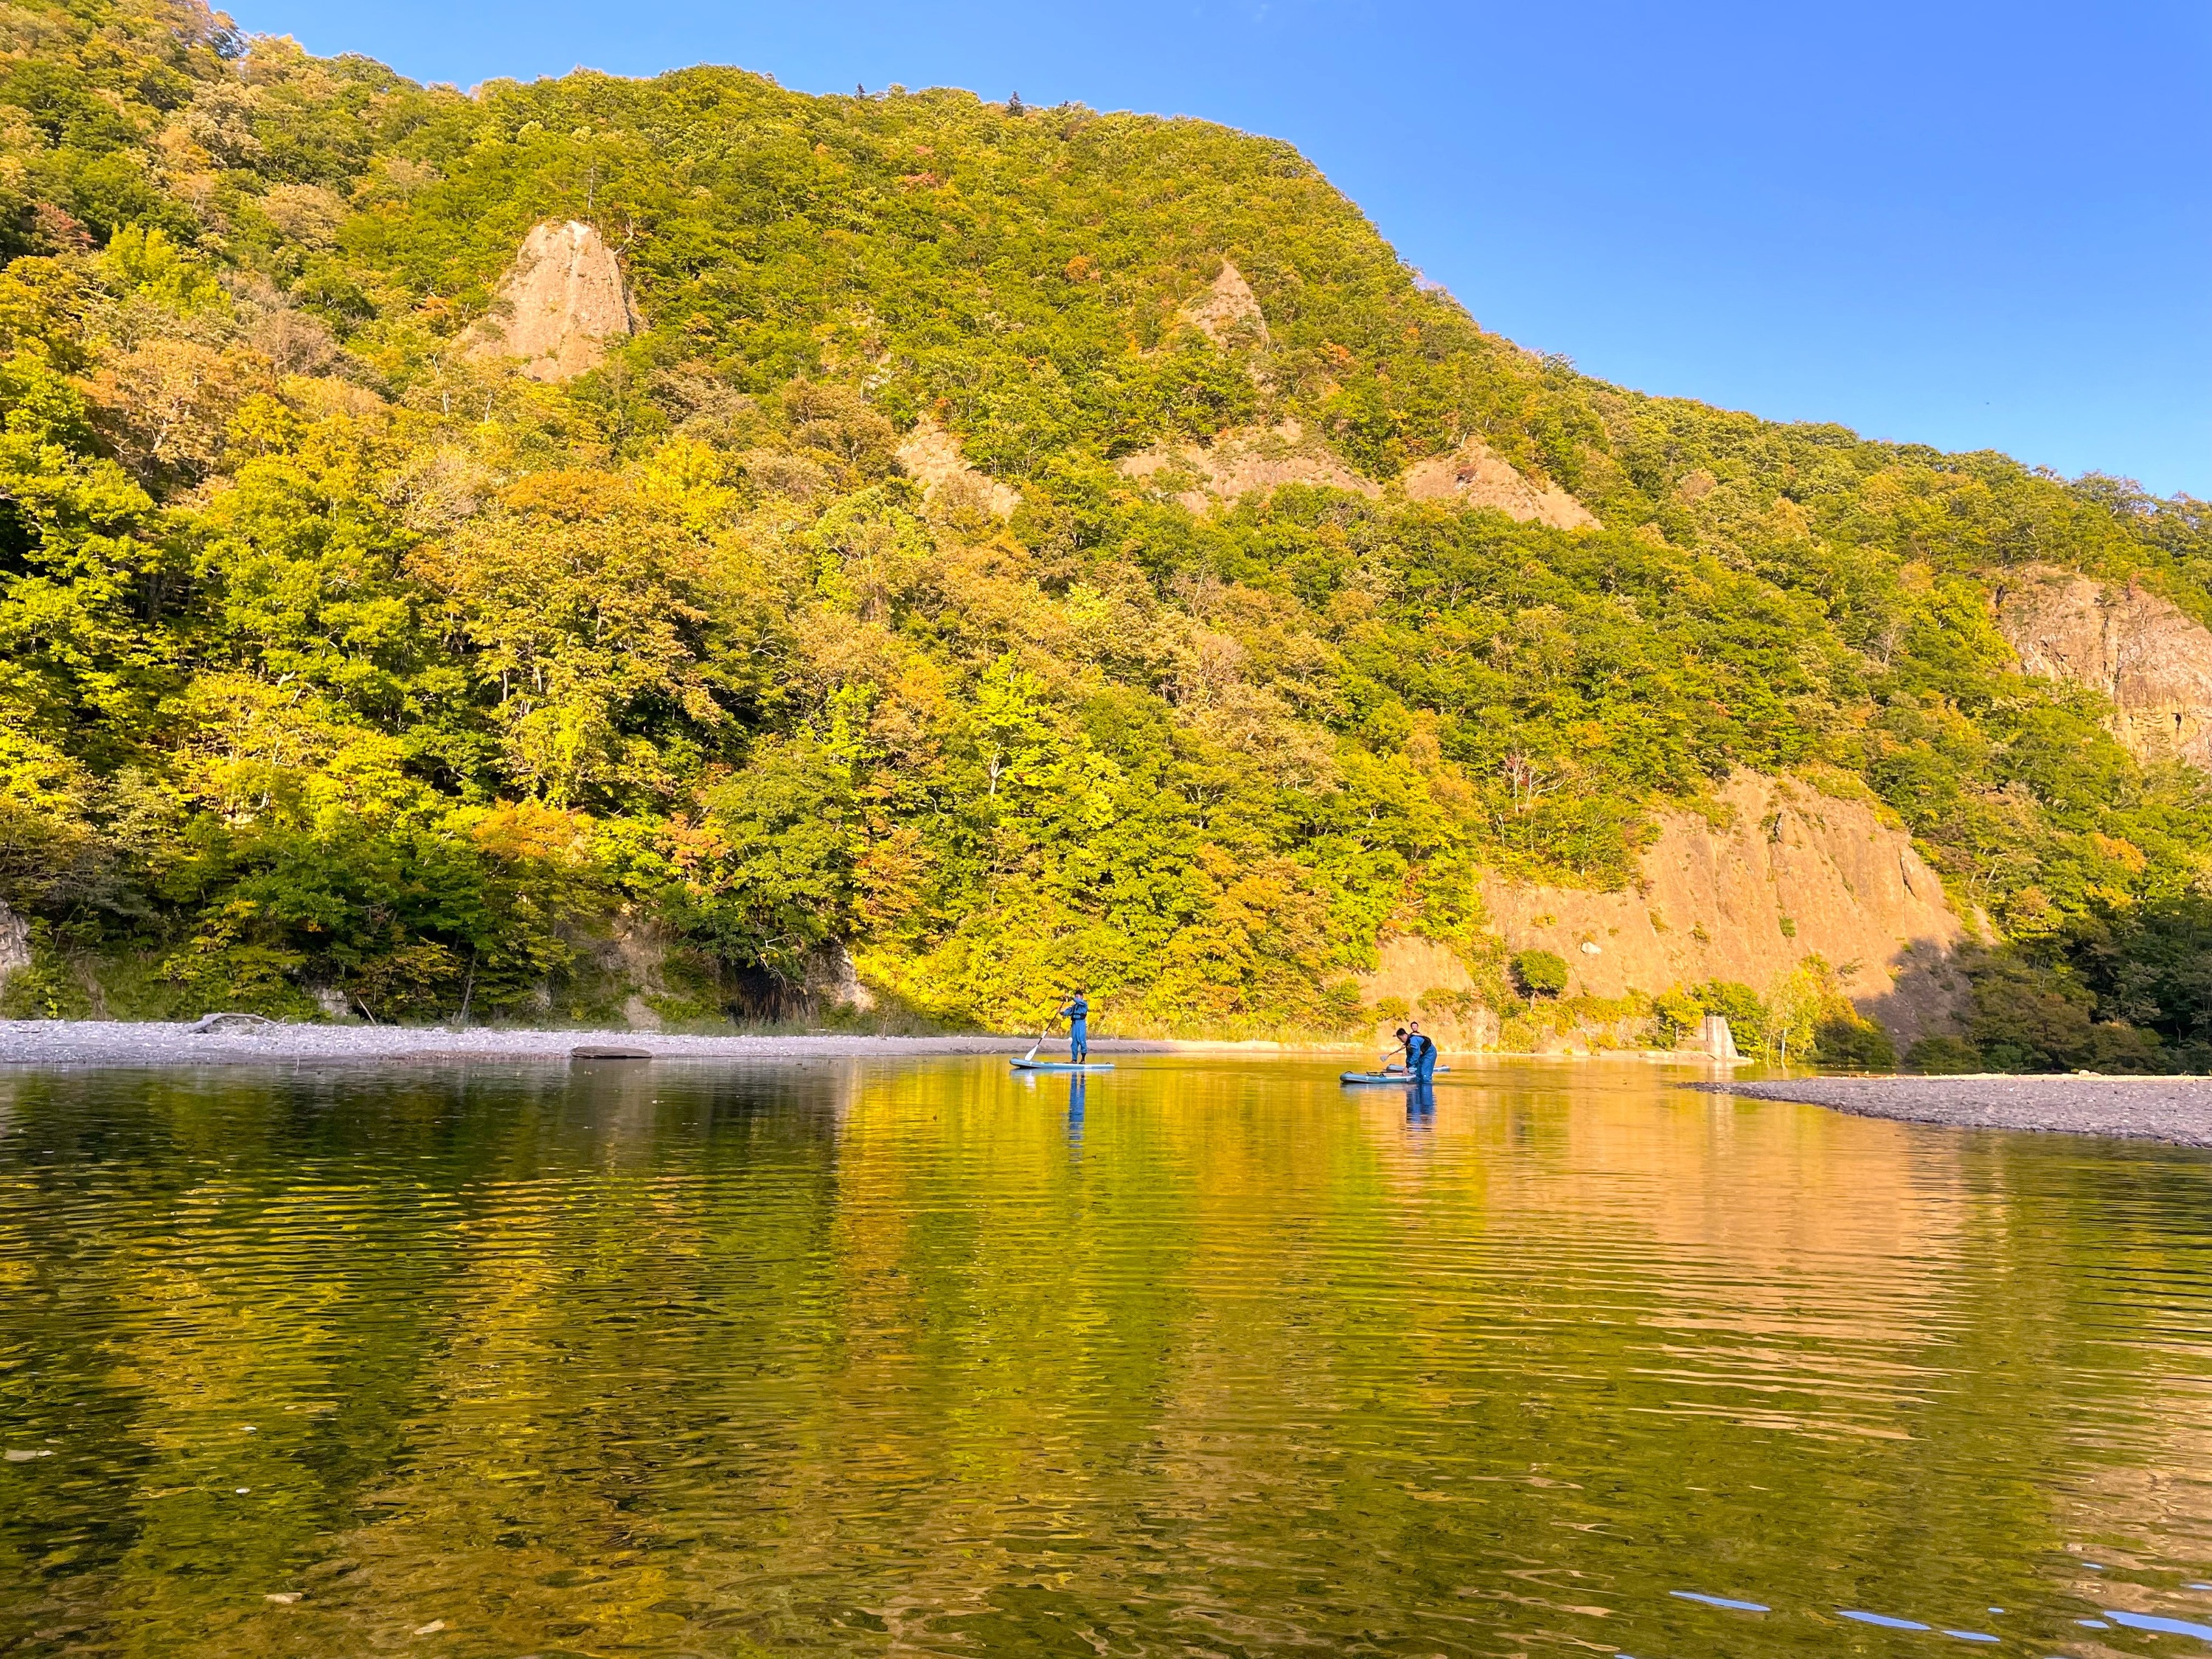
point(1793, 873)
point(1253, 460)
point(1228, 312)
point(1249, 461)
point(1475, 474)
point(558, 305)
point(2151, 658)
point(932, 455)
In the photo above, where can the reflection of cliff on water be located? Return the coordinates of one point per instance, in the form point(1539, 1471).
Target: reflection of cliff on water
point(869, 1358)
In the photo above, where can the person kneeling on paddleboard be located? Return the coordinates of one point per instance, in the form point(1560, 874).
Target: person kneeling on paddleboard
point(1076, 1013)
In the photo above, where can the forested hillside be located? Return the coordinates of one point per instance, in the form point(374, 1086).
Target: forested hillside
point(348, 666)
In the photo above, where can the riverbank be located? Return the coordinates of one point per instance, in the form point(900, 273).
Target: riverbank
point(2176, 1111)
point(117, 1042)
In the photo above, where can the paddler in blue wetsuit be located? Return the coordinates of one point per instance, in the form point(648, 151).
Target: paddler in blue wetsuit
point(1421, 1054)
point(1076, 1013)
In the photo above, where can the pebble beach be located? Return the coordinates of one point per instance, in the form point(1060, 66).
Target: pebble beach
point(117, 1043)
point(2176, 1111)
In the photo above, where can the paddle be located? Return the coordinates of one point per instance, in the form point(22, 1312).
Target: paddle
point(1038, 1044)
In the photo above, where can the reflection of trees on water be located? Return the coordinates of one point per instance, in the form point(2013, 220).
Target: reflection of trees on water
point(862, 1358)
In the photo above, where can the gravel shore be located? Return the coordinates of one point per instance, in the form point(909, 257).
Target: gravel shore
point(115, 1043)
point(2174, 1110)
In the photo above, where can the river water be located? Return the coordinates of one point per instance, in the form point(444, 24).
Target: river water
point(1198, 1358)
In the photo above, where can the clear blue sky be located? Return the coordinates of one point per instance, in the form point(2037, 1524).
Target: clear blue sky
point(1968, 224)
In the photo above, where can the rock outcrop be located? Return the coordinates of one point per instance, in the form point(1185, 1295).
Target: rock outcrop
point(2152, 659)
point(14, 942)
point(1795, 873)
point(558, 305)
point(1435, 987)
point(1249, 461)
point(1228, 314)
point(1476, 475)
point(1252, 460)
point(932, 456)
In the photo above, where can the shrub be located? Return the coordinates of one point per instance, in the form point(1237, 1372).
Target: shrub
point(2030, 1016)
point(47, 989)
point(1744, 1009)
point(1853, 1044)
point(1539, 973)
point(1942, 1056)
point(1676, 1012)
point(1673, 1014)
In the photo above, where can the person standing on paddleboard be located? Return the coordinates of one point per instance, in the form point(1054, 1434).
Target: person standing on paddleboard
point(1420, 1054)
point(1076, 1013)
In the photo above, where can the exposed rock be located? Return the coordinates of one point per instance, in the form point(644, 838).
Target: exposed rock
point(230, 1020)
point(1434, 984)
point(1251, 460)
point(14, 942)
point(1479, 475)
point(634, 952)
point(1797, 873)
point(931, 454)
point(833, 980)
point(2151, 658)
point(1227, 313)
point(826, 978)
point(1410, 968)
point(558, 305)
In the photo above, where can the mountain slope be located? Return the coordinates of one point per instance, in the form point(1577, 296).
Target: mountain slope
point(350, 663)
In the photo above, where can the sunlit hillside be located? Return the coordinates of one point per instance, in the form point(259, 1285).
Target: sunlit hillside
point(686, 548)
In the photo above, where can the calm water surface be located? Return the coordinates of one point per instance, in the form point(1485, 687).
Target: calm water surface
point(1202, 1360)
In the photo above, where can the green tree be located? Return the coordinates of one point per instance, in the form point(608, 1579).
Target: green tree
point(1539, 973)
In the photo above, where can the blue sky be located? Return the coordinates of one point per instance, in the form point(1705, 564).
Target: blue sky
point(1952, 222)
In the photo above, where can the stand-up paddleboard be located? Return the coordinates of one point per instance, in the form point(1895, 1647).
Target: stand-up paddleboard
point(1061, 1066)
point(1385, 1077)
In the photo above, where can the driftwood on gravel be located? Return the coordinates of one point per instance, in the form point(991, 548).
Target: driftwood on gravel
point(229, 1022)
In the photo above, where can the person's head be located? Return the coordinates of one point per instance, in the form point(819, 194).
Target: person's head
point(1399, 1033)
point(1415, 1028)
